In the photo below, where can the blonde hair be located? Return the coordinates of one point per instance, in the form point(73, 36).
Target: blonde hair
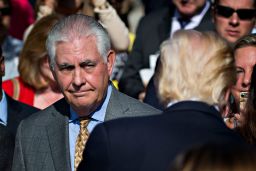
point(195, 65)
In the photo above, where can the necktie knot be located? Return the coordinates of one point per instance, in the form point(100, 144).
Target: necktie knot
point(84, 123)
point(183, 22)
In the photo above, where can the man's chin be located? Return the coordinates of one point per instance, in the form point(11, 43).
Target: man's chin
point(83, 106)
point(187, 13)
point(81, 109)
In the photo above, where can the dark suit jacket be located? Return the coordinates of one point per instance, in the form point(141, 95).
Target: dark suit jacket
point(152, 5)
point(16, 112)
point(42, 141)
point(151, 96)
point(151, 143)
point(6, 148)
point(152, 30)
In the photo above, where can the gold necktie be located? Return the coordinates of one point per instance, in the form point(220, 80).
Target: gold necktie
point(80, 141)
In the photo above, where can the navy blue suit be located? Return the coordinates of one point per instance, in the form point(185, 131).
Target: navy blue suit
point(151, 96)
point(151, 143)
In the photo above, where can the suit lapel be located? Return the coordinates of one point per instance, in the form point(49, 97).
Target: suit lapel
point(12, 114)
point(115, 108)
point(58, 134)
point(206, 24)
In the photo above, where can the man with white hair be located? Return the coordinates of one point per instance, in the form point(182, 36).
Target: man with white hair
point(81, 62)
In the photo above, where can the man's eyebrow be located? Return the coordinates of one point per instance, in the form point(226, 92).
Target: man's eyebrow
point(63, 65)
point(87, 61)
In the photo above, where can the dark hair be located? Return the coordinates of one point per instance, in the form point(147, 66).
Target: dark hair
point(215, 2)
point(215, 157)
point(248, 40)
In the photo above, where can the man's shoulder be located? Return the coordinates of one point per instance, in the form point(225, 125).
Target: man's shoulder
point(50, 113)
point(20, 107)
point(133, 104)
point(206, 24)
point(37, 117)
point(134, 125)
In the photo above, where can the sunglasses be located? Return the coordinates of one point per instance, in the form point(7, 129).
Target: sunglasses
point(243, 14)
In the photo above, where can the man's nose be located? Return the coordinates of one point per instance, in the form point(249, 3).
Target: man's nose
point(78, 78)
point(234, 19)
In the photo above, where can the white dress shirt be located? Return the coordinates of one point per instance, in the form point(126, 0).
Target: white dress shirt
point(194, 21)
point(74, 126)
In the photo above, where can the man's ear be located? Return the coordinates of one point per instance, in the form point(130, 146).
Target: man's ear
point(111, 58)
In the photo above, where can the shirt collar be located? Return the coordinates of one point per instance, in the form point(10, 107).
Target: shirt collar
point(3, 109)
point(198, 18)
point(99, 114)
point(171, 103)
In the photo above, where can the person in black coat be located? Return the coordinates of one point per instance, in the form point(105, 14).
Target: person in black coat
point(196, 71)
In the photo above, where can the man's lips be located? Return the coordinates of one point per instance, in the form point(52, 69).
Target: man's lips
point(80, 93)
point(233, 33)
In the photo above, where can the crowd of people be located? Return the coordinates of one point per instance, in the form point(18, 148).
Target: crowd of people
point(80, 91)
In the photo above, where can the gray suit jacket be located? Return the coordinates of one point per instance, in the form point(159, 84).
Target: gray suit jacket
point(42, 140)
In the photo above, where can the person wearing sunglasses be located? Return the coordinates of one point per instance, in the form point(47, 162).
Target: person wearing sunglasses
point(234, 19)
